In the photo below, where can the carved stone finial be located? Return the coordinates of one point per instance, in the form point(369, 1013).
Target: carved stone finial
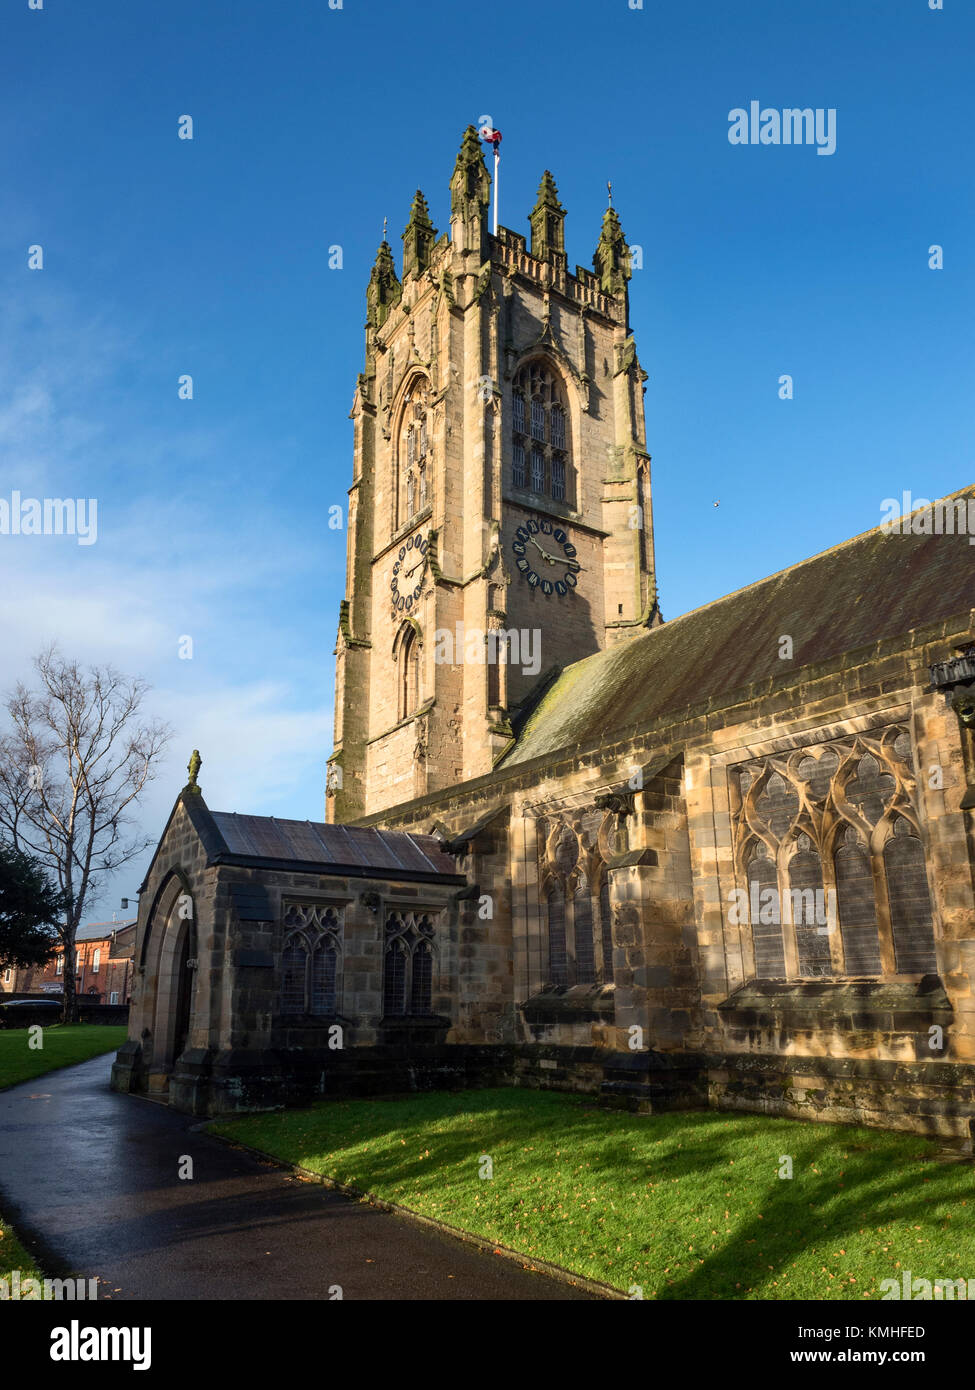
point(193, 768)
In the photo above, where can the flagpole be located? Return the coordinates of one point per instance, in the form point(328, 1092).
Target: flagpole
point(489, 133)
point(497, 165)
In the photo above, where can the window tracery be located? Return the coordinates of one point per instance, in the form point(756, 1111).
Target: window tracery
point(408, 965)
point(576, 901)
point(414, 451)
point(311, 960)
point(834, 826)
point(540, 434)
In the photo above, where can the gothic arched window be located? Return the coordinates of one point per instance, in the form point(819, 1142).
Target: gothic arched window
point(519, 475)
point(394, 979)
point(421, 985)
point(840, 842)
point(766, 921)
point(540, 433)
point(324, 967)
point(538, 470)
point(295, 964)
point(606, 930)
point(808, 909)
point(585, 960)
point(856, 907)
point(558, 479)
point(643, 494)
point(910, 903)
point(408, 657)
point(557, 961)
point(310, 961)
point(408, 965)
point(413, 453)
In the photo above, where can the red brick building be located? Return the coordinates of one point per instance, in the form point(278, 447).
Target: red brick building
point(103, 966)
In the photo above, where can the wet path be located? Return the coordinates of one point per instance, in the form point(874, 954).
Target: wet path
point(89, 1180)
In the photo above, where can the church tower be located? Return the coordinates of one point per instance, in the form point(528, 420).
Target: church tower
point(500, 523)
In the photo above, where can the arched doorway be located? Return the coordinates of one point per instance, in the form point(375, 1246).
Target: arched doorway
point(168, 968)
point(184, 997)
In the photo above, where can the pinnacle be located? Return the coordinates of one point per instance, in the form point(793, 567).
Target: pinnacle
point(470, 147)
point(419, 211)
point(548, 194)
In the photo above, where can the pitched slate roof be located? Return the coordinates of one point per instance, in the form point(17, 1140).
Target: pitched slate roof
point(338, 849)
point(872, 587)
point(101, 931)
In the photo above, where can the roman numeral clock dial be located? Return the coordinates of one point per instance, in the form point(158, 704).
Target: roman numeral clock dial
point(409, 570)
point(546, 557)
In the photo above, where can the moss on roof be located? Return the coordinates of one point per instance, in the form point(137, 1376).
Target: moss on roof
point(874, 587)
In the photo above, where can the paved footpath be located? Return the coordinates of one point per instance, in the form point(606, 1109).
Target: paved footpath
point(89, 1179)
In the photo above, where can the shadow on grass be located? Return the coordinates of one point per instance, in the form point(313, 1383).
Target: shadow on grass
point(662, 1177)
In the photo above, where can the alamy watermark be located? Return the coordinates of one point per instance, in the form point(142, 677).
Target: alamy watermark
point(497, 647)
point(791, 126)
point(15, 1288)
point(962, 1290)
point(917, 516)
point(809, 907)
point(50, 516)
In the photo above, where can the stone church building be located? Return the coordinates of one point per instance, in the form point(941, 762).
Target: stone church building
point(726, 859)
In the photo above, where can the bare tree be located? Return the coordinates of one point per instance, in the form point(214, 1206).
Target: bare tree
point(77, 757)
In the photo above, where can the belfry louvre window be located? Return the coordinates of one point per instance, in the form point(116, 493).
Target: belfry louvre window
point(538, 470)
point(830, 860)
point(558, 480)
point(311, 960)
point(518, 473)
point(539, 426)
point(408, 965)
point(557, 418)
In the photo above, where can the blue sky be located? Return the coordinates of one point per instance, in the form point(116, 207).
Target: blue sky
point(164, 256)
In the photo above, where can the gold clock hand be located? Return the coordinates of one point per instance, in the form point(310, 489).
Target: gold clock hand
point(552, 559)
point(419, 561)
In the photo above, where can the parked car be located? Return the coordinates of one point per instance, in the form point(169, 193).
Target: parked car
point(33, 1003)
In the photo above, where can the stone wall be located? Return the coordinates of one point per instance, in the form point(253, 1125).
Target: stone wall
point(678, 959)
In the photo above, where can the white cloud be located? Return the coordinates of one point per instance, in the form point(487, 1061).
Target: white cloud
point(181, 549)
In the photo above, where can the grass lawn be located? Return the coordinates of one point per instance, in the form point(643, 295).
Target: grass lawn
point(688, 1206)
point(63, 1044)
point(14, 1256)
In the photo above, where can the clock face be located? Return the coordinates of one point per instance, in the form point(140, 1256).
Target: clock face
point(546, 557)
point(409, 568)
